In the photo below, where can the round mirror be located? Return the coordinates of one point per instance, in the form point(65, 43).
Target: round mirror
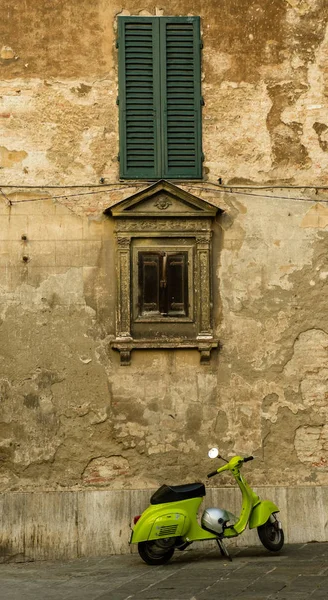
point(213, 453)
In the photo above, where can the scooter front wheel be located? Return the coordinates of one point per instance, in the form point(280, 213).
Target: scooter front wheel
point(157, 552)
point(271, 535)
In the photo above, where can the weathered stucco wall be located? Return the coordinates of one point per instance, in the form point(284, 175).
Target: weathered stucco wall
point(71, 417)
point(264, 84)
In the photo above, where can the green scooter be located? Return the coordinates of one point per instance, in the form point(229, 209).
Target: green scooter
point(170, 522)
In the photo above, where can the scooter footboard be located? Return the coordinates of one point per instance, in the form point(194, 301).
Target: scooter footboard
point(261, 513)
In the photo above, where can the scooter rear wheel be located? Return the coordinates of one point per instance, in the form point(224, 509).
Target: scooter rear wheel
point(271, 536)
point(157, 552)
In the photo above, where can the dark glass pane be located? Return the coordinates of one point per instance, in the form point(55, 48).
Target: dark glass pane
point(149, 282)
point(177, 284)
point(163, 284)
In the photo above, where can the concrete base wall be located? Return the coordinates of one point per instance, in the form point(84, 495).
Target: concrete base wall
point(63, 525)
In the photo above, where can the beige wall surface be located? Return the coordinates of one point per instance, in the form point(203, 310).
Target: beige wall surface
point(72, 418)
point(264, 82)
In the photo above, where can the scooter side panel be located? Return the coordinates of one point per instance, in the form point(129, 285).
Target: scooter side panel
point(261, 513)
point(157, 518)
point(169, 525)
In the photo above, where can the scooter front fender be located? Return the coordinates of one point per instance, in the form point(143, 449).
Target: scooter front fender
point(164, 520)
point(261, 512)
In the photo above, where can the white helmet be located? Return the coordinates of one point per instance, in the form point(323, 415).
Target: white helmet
point(215, 519)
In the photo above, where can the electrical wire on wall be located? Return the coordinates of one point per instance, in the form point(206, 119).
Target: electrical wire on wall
point(247, 190)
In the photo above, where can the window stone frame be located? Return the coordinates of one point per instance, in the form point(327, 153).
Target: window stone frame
point(164, 212)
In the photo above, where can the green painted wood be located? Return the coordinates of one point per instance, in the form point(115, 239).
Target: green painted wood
point(181, 98)
point(160, 97)
point(139, 97)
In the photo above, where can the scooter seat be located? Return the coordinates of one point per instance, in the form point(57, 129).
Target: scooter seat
point(174, 493)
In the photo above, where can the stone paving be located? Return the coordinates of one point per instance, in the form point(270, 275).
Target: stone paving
point(299, 572)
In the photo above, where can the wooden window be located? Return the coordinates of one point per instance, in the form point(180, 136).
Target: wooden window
point(163, 284)
point(159, 97)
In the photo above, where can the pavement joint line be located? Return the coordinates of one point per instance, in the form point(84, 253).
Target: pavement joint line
point(314, 592)
point(123, 583)
point(207, 588)
point(183, 568)
point(275, 593)
point(254, 581)
point(252, 575)
point(156, 582)
point(214, 583)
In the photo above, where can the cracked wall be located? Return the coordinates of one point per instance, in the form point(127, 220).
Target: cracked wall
point(70, 416)
point(263, 76)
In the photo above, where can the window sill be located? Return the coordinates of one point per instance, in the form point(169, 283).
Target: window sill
point(203, 345)
point(162, 319)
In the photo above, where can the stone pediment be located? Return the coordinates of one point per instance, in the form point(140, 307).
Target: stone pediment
point(163, 199)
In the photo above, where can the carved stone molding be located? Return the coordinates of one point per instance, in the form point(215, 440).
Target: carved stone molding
point(123, 242)
point(203, 240)
point(204, 298)
point(163, 219)
point(123, 312)
point(125, 348)
point(141, 224)
point(163, 203)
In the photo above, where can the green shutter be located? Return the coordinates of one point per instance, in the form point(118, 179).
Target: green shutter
point(159, 97)
point(139, 97)
point(181, 97)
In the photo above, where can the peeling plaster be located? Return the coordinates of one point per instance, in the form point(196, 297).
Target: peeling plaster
point(301, 6)
point(9, 157)
point(71, 416)
point(316, 217)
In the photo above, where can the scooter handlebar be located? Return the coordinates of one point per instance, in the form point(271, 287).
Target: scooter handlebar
point(227, 466)
point(212, 474)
